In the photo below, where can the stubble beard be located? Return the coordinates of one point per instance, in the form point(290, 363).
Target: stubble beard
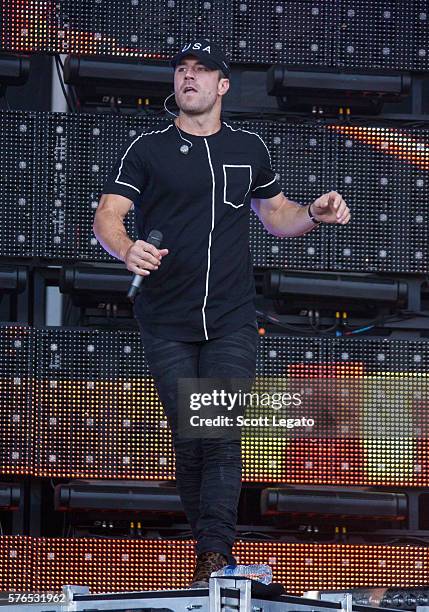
point(197, 107)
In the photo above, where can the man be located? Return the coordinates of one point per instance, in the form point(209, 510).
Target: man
point(194, 180)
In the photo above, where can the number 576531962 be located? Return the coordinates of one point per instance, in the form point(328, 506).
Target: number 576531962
point(47, 597)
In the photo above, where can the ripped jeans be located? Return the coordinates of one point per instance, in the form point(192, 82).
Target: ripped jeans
point(208, 471)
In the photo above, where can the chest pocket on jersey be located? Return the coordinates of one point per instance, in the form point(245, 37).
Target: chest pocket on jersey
point(237, 182)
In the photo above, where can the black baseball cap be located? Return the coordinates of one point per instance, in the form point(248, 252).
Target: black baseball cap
point(209, 54)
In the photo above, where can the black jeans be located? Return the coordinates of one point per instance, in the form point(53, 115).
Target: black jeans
point(208, 471)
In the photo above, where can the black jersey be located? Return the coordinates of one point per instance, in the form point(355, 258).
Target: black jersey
point(200, 201)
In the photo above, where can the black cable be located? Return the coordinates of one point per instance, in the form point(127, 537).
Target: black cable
point(259, 534)
point(315, 327)
point(270, 319)
point(116, 325)
point(394, 318)
point(67, 311)
point(70, 104)
point(325, 330)
point(402, 315)
point(72, 89)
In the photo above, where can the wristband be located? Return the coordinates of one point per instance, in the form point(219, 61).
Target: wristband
point(310, 214)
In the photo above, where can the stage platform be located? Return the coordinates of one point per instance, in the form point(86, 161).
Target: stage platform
point(223, 595)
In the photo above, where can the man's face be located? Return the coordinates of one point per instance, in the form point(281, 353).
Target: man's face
point(196, 86)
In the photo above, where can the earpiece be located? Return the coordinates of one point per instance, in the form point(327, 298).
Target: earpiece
point(165, 105)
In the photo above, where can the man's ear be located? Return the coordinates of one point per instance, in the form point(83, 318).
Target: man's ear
point(223, 86)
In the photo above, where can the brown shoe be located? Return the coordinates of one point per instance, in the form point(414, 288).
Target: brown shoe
point(207, 563)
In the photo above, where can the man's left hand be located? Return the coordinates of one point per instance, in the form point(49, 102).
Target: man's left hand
point(331, 208)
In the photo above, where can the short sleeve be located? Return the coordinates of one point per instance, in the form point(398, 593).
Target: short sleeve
point(265, 184)
point(128, 175)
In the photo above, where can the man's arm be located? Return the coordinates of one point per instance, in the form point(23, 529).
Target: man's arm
point(109, 224)
point(286, 219)
point(140, 257)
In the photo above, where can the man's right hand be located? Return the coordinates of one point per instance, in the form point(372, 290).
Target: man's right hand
point(143, 257)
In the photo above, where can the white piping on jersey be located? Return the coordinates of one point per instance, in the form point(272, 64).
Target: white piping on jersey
point(254, 134)
point(247, 132)
point(225, 182)
point(203, 310)
point(126, 152)
point(266, 184)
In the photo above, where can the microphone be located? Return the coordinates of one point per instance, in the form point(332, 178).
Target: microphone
point(154, 238)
